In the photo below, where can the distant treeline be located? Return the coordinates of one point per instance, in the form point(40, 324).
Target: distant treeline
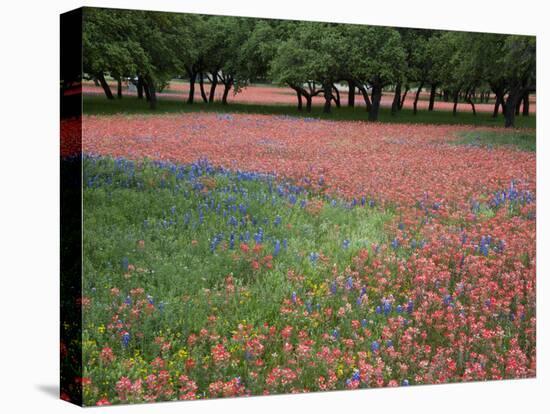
point(151, 48)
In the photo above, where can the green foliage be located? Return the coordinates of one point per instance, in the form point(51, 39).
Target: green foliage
point(376, 54)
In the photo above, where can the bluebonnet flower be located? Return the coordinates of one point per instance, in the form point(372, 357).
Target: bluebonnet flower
point(232, 241)
point(400, 226)
point(309, 307)
point(378, 310)
point(313, 257)
point(277, 248)
point(395, 243)
point(125, 264)
point(349, 283)
point(371, 203)
point(399, 309)
point(356, 376)
point(285, 244)
point(374, 346)
point(447, 300)
point(363, 200)
point(405, 382)
point(387, 307)
point(333, 287)
point(128, 300)
point(410, 306)
point(389, 343)
point(293, 297)
point(125, 339)
point(335, 333)
point(345, 244)
point(277, 220)
point(364, 323)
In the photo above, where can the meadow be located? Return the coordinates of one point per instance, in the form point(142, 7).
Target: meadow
point(246, 254)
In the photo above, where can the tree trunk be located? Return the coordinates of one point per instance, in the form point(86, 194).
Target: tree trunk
point(192, 79)
point(376, 97)
point(96, 82)
point(415, 103)
point(213, 86)
point(327, 92)
point(525, 104)
point(455, 102)
point(446, 95)
point(396, 103)
point(139, 87)
point(119, 88)
point(146, 91)
point(432, 97)
point(308, 103)
point(105, 86)
point(299, 96)
point(404, 97)
point(351, 93)
point(201, 85)
point(366, 98)
point(498, 101)
point(336, 96)
point(471, 102)
point(152, 93)
point(514, 97)
point(518, 106)
point(226, 88)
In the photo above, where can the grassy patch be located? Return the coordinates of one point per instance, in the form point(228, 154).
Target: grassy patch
point(178, 233)
point(98, 105)
point(521, 139)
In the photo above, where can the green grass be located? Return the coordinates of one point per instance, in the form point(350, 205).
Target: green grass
point(126, 202)
point(523, 140)
point(98, 105)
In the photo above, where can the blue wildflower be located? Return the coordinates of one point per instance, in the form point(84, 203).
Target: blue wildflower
point(125, 264)
point(277, 248)
point(125, 339)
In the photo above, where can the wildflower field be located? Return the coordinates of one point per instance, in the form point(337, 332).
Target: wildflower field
point(233, 255)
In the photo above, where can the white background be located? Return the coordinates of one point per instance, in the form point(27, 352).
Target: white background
point(29, 207)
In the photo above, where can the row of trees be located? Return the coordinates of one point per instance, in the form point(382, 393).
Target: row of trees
point(309, 57)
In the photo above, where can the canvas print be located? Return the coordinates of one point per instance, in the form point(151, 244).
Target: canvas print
point(253, 206)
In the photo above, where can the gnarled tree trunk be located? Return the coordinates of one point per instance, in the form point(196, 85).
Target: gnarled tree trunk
point(376, 97)
point(525, 104)
point(455, 101)
point(432, 97)
point(105, 86)
point(396, 103)
point(327, 92)
point(213, 85)
point(152, 92)
point(201, 86)
point(366, 98)
point(415, 103)
point(139, 87)
point(119, 88)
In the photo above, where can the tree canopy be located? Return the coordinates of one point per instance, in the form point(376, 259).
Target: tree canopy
point(312, 58)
